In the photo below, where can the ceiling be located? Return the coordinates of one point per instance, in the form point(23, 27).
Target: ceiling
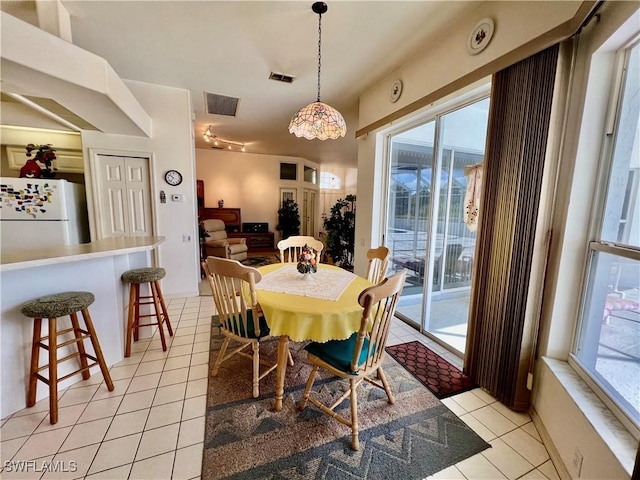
point(231, 47)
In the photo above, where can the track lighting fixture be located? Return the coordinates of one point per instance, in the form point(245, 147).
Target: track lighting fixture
point(209, 137)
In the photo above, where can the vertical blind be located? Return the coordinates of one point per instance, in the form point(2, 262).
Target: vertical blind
point(497, 350)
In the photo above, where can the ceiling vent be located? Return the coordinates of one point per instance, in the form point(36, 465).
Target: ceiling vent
point(221, 104)
point(281, 77)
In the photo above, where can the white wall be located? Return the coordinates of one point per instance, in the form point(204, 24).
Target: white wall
point(516, 23)
point(249, 181)
point(170, 147)
point(441, 64)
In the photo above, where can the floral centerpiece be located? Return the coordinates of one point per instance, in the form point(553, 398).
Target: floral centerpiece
point(307, 260)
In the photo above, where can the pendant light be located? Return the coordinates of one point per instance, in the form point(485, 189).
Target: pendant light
point(318, 120)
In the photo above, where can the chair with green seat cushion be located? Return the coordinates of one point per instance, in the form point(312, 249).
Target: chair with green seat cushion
point(360, 356)
point(263, 328)
point(241, 318)
point(339, 353)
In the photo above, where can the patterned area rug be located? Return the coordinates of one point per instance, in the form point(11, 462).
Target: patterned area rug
point(261, 260)
point(246, 439)
point(251, 261)
point(433, 371)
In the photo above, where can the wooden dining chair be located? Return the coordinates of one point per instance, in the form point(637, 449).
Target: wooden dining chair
point(290, 248)
point(240, 320)
point(360, 356)
point(378, 259)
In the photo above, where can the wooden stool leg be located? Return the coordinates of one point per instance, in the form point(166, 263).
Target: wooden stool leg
point(132, 301)
point(96, 348)
point(159, 318)
point(53, 371)
point(136, 322)
point(165, 313)
point(35, 359)
point(86, 374)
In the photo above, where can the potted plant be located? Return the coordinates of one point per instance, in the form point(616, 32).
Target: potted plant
point(288, 219)
point(340, 226)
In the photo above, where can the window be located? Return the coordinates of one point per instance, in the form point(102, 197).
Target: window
point(329, 181)
point(288, 171)
point(607, 344)
point(310, 175)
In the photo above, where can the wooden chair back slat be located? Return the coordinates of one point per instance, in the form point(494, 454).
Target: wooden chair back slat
point(379, 304)
point(291, 248)
point(226, 278)
point(378, 264)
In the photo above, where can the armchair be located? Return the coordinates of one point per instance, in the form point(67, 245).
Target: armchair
point(217, 244)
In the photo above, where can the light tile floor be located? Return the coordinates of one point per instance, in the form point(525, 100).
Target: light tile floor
point(152, 425)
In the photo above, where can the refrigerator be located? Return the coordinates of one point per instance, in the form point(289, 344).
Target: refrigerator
point(38, 213)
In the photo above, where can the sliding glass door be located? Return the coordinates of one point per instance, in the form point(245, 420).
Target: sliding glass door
point(430, 166)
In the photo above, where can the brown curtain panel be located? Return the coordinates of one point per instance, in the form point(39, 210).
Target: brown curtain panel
point(519, 119)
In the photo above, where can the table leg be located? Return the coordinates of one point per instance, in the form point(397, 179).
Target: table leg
point(283, 358)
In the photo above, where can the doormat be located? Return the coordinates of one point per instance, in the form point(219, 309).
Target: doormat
point(433, 371)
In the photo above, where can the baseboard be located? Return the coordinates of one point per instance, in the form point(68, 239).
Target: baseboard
point(562, 470)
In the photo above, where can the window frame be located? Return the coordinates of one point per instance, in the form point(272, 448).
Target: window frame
point(595, 241)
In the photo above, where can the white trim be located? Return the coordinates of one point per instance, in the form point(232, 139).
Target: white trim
point(615, 436)
point(556, 459)
point(600, 391)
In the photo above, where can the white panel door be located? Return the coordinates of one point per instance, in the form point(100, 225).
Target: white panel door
point(137, 170)
point(124, 196)
point(309, 213)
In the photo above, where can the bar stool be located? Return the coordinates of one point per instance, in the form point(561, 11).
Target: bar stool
point(52, 307)
point(150, 275)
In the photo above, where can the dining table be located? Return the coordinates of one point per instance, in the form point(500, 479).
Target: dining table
point(320, 307)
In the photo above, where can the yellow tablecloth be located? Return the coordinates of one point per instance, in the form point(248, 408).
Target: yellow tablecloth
point(304, 318)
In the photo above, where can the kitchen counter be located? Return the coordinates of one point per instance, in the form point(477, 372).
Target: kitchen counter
point(94, 267)
point(73, 253)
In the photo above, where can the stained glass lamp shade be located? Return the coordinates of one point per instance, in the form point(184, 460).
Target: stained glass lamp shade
point(318, 120)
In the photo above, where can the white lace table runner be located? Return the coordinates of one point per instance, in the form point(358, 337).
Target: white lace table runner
point(326, 284)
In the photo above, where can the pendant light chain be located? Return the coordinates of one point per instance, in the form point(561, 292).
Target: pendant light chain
point(318, 120)
point(319, 50)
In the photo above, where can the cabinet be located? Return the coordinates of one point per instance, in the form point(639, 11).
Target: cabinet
point(256, 241)
point(233, 223)
point(230, 217)
point(69, 161)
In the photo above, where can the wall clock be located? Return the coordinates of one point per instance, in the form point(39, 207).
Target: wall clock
point(173, 177)
point(480, 36)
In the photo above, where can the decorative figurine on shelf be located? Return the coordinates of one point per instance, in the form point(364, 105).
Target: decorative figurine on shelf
point(45, 154)
point(220, 203)
point(307, 260)
point(31, 169)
